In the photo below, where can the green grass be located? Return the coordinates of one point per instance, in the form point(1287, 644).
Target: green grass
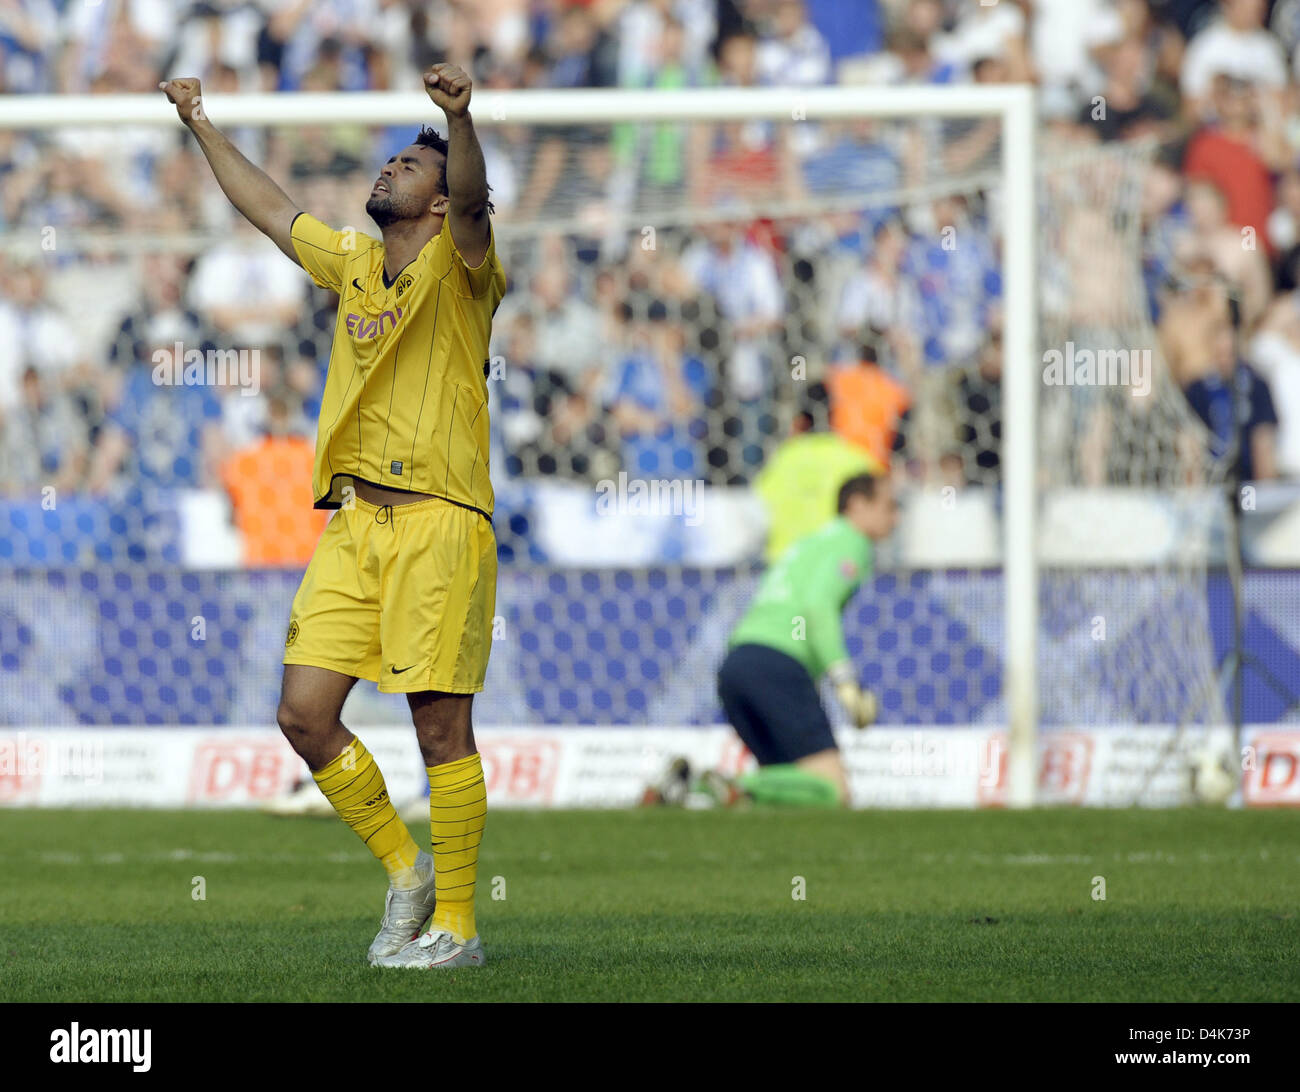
point(668, 905)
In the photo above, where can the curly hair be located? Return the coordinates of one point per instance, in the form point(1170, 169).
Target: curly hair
point(430, 138)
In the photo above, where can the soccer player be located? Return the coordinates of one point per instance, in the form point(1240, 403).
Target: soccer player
point(401, 588)
point(790, 636)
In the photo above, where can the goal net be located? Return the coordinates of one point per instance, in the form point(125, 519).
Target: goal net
point(711, 321)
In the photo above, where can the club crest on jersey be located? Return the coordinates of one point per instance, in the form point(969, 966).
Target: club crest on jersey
point(403, 283)
point(363, 329)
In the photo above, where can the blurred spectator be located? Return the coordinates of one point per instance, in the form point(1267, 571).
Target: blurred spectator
point(923, 50)
point(66, 189)
point(1275, 354)
point(29, 32)
point(269, 484)
point(867, 404)
point(157, 436)
point(246, 396)
point(106, 36)
point(1236, 44)
point(33, 334)
point(657, 154)
point(248, 290)
point(1128, 109)
point(1235, 404)
point(743, 279)
point(795, 54)
point(852, 157)
point(161, 315)
point(800, 481)
point(580, 52)
point(907, 60)
point(971, 144)
point(1166, 226)
point(640, 29)
point(568, 340)
point(1240, 151)
point(1190, 310)
point(42, 440)
point(985, 32)
point(1066, 37)
point(740, 162)
point(301, 34)
point(657, 400)
point(541, 415)
point(218, 38)
point(954, 264)
point(570, 164)
point(176, 204)
point(1222, 244)
point(883, 298)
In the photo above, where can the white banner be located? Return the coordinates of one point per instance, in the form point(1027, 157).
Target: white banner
point(950, 767)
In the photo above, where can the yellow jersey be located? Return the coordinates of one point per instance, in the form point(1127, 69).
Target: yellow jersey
point(405, 403)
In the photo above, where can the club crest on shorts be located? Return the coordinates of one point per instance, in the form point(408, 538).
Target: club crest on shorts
point(292, 635)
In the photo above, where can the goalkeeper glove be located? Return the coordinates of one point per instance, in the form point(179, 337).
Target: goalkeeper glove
point(859, 704)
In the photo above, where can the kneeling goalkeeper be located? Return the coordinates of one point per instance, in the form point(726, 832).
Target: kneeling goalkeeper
point(792, 635)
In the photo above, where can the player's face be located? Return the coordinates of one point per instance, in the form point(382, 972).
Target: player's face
point(876, 518)
point(407, 187)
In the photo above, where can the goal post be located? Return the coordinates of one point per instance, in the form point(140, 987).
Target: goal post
point(1012, 106)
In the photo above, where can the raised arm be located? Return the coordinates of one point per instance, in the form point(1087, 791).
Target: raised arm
point(468, 204)
point(250, 190)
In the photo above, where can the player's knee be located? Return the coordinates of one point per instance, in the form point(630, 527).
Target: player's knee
point(443, 726)
point(298, 723)
point(315, 734)
point(442, 744)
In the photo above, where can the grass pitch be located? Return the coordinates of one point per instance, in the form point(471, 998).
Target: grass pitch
point(664, 905)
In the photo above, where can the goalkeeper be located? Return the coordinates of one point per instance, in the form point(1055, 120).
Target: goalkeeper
point(790, 636)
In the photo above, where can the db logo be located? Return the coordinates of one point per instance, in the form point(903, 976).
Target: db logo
point(234, 771)
point(1064, 766)
point(519, 771)
point(1275, 779)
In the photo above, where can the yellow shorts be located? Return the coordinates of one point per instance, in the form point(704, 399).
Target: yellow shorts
point(402, 595)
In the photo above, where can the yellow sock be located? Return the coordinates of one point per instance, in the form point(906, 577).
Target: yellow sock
point(353, 784)
point(457, 812)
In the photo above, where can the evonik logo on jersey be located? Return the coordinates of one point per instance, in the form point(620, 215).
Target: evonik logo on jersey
point(363, 329)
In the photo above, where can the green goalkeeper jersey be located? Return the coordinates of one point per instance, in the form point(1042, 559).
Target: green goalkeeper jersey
point(799, 602)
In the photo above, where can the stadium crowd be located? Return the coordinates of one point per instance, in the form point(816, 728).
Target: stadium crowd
point(842, 309)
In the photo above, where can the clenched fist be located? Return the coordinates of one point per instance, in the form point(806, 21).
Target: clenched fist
point(187, 95)
point(449, 87)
